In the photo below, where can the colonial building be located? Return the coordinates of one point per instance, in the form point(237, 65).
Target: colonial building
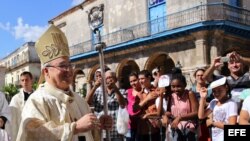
point(143, 34)
point(20, 60)
point(2, 75)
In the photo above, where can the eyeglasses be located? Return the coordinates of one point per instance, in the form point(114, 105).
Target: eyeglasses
point(64, 67)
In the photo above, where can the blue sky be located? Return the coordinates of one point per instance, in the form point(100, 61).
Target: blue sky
point(25, 20)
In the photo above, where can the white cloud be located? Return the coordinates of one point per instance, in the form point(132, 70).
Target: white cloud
point(23, 30)
point(5, 26)
point(26, 31)
point(76, 2)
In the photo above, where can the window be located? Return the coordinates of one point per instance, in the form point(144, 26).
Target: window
point(61, 25)
point(15, 61)
point(17, 77)
point(155, 2)
point(234, 12)
point(17, 58)
point(236, 3)
point(157, 16)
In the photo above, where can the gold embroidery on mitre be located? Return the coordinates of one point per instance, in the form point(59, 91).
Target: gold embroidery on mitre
point(52, 45)
point(50, 51)
point(55, 48)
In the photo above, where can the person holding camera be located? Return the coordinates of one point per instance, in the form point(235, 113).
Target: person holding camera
point(238, 80)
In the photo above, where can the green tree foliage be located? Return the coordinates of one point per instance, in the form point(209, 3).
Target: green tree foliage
point(35, 85)
point(10, 90)
point(83, 91)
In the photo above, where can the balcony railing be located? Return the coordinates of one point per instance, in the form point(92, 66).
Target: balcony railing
point(201, 13)
point(19, 63)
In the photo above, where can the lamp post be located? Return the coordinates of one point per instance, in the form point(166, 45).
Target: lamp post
point(178, 65)
point(95, 19)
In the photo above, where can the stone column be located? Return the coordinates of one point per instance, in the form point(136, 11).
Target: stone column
point(201, 48)
point(216, 45)
point(2, 75)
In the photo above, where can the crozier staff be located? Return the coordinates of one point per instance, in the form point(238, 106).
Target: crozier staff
point(54, 112)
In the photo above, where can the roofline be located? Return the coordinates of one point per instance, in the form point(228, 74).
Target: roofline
point(17, 49)
point(69, 11)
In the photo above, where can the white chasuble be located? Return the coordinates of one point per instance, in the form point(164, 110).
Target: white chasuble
point(49, 115)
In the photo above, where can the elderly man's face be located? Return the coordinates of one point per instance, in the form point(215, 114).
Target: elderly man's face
point(110, 79)
point(60, 73)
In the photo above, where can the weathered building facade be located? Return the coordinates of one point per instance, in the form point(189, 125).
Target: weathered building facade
point(2, 75)
point(143, 34)
point(22, 59)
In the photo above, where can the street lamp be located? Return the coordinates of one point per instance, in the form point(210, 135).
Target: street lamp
point(178, 65)
point(95, 19)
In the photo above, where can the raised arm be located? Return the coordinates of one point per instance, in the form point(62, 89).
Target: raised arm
point(160, 92)
point(236, 56)
point(245, 60)
point(202, 112)
point(120, 97)
point(209, 72)
point(141, 102)
point(89, 96)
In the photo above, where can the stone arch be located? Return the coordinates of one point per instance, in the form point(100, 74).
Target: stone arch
point(76, 73)
point(92, 71)
point(161, 59)
point(123, 70)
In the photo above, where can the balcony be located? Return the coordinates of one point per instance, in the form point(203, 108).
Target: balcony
point(217, 12)
point(19, 63)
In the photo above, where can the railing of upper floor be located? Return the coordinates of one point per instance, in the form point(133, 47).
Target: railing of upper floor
point(17, 60)
point(200, 13)
point(18, 63)
point(21, 62)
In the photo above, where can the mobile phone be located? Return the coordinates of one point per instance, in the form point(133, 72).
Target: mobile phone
point(224, 59)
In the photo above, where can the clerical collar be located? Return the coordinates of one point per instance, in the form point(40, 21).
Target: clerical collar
point(67, 92)
point(28, 92)
point(26, 95)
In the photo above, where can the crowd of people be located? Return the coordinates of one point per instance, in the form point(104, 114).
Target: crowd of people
point(160, 106)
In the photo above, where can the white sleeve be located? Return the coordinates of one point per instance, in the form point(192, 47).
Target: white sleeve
point(246, 105)
point(233, 109)
point(4, 108)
